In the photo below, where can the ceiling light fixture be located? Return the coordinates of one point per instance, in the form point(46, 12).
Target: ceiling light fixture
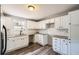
point(31, 7)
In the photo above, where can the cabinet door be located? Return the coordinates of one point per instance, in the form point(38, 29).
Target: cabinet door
point(36, 38)
point(42, 25)
point(57, 22)
point(45, 39)
point(26, 41)
point(64, 46)
point(56, 44)
point(17, 42)
point(40, 39)
point(8, 23)
point(11, 44)
point(65, 21)
point(51, 20)
point(21, 43)
point(30, 24)
point(69, 47)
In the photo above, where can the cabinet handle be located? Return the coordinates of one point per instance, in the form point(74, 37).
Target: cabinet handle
point(69, 23)
point(64, 40)
point(69, 39)
point(66, 43)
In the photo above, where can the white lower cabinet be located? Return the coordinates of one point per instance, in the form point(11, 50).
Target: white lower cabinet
point(56, 44)
point(10, 44)
point(64, 46)
point(17, 42)
point(69, 47)
point(61, 46)
point(41, 39)
point(36, 38)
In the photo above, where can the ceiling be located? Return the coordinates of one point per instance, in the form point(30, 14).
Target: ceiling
point(42, 11)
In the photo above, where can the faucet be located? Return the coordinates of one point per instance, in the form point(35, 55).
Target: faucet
point(20, 32)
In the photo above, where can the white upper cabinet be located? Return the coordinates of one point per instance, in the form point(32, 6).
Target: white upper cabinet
point(31, 24)
point(35, 25)
point(51, 20)
point(45, 21)
point(62, 22)
point(42, 25)
point(57, 22)
point(65, 21)
point(8, 23)
point(39, 25)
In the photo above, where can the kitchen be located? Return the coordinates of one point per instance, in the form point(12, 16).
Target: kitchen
point(39, 29)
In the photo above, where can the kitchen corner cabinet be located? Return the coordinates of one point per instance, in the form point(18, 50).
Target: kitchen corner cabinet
point(42, 25)
point(50, 24)
point(51, 20)
point(36, 25)
point(31, 24)
point(14, 43)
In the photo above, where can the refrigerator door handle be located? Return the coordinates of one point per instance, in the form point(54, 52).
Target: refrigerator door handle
point(4, 41)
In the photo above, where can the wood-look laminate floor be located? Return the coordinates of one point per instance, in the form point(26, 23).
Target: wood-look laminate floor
point(34, 49)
